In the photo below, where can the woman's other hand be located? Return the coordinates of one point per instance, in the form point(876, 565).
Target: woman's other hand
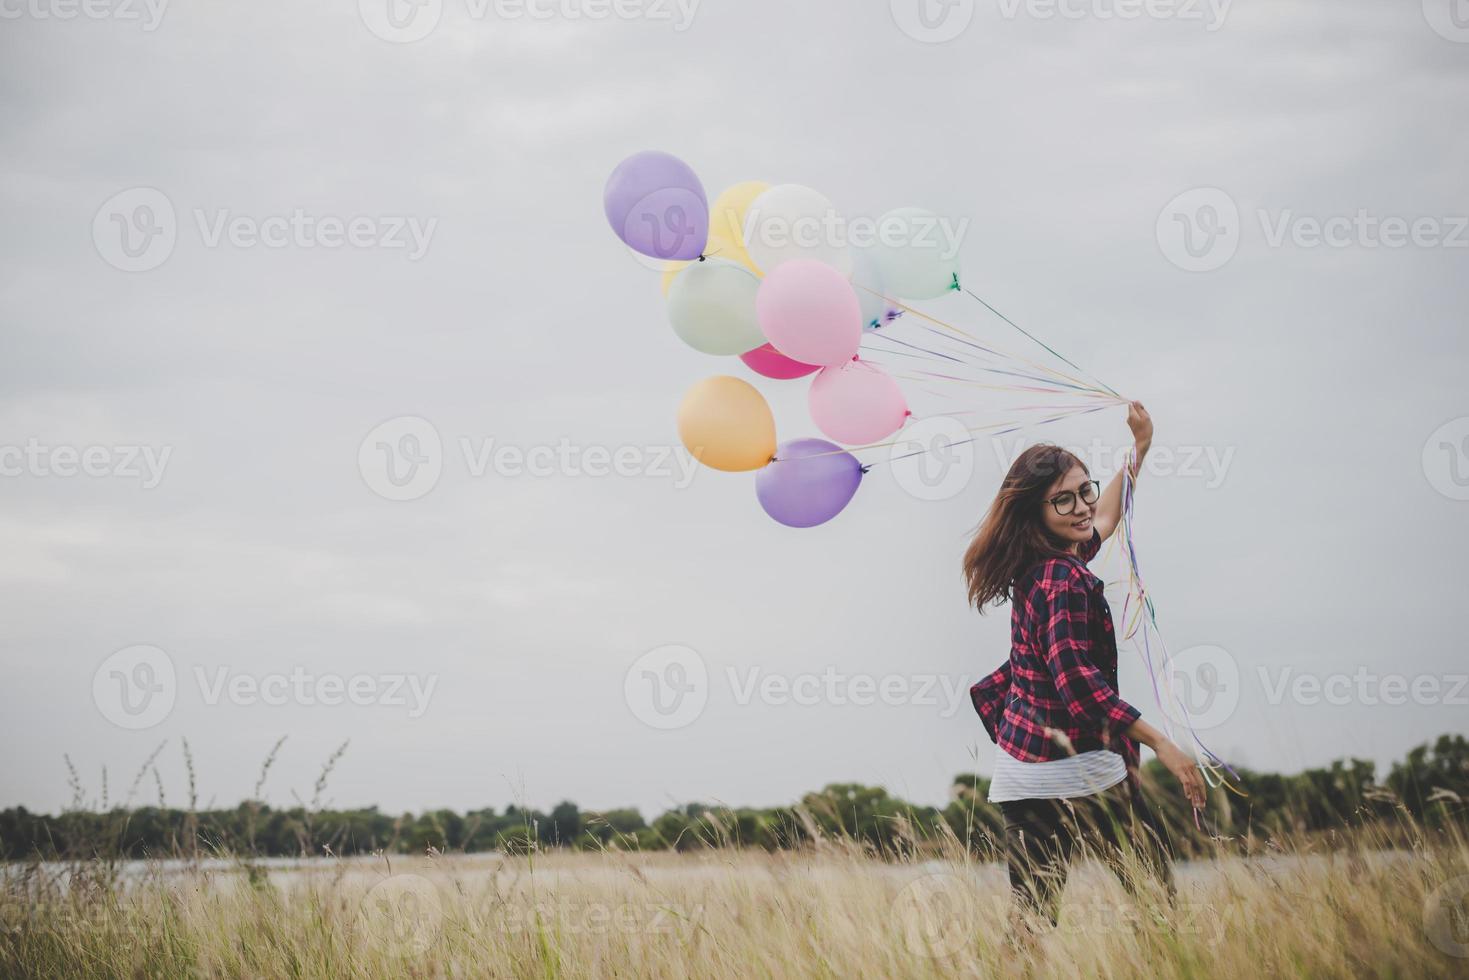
point(1185, 770)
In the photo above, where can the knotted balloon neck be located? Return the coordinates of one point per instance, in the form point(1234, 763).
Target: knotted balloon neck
point(954, 285)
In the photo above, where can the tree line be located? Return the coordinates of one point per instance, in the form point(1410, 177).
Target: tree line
point(1428, 788)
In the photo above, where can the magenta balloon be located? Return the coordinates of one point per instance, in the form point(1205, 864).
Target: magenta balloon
point(655, 204)
point(856, 403)
point(808, 483)
point(772, 363)
point(809, 312)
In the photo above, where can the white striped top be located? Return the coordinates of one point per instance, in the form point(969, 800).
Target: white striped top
point(1076, 775)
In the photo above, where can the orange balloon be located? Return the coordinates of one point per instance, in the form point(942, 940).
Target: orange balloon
point(726, 424)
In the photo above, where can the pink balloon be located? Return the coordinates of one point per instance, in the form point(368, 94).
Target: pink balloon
point(809, 312)
point(772, 363)
point(857, 403)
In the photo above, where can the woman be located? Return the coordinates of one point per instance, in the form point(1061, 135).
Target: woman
point(1066, 770)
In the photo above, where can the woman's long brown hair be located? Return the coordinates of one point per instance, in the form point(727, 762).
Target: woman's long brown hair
point(1012, 537)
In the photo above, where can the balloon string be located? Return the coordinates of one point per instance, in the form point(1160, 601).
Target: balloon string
point(963, 333)
point(995, 353)
point(1050, 385)
point(1048, 347)
point(1013, 427)
point(1144, 629)
point(911, 346)
point(1057, 387)
point(1048, 390)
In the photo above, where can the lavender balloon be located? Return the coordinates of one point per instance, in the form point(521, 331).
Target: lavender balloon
point(808, 483)
point(656, 204)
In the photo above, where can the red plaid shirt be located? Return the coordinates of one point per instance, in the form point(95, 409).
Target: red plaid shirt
point(1061, 678)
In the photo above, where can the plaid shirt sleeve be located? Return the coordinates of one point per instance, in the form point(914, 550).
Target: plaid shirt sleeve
point(1066, 642)
point(989, 699)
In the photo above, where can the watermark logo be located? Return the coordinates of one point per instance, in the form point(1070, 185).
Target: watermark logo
point(406, 21)
point(839, 689)
point(571, 916)
point(832, 230)
point(664, 219)
point(402, 458)
point(932, 21)
point(135, 687)
point(1363, 229)
point(1448, 18)
point(934, 458)
point(309, 689)
point(135, 230)
point(138, 686)
point(1202, 687)
point(935, 915)
point(1211, 13)
point(401, 21)
point(1209, 464)
point(667, 688)
point(1446, 459)
point(1365, 687)
point(401, 915)
point(1199, 230)
point(132, 462)
point(1446, 917)
point(147, 12)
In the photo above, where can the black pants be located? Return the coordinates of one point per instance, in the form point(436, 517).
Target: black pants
point(1042, 837)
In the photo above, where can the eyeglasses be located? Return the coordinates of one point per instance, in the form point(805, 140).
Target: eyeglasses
point(1065, 501)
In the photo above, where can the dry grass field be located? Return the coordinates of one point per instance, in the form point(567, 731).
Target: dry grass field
point(1351, 909)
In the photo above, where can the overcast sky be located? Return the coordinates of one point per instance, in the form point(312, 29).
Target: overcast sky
point(221, 392)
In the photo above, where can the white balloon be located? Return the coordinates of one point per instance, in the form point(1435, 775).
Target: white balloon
point(912, 255)
point(711, 305)
point(791, 221)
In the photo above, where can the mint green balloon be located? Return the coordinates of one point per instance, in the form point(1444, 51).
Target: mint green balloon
point(711, 305)
point(917, 253)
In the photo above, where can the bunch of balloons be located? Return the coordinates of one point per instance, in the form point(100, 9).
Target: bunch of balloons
point(761, 275)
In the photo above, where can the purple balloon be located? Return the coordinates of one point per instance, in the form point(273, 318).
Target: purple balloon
point(808, 483)
point(656, 204)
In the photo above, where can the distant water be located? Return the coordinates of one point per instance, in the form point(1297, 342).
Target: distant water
point(553, 868)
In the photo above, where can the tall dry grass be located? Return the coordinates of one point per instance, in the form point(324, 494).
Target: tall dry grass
point(1358, 907)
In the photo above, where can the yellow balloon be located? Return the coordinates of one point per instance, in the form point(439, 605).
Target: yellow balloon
point(727, 218)
point(726, 424)
point(726, 229)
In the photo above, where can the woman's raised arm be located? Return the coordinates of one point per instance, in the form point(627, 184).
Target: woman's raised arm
point(1109, 506)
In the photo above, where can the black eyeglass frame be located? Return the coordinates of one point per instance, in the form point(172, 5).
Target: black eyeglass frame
point(1075, 495)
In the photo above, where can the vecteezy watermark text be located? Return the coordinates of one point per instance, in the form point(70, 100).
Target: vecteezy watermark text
point(1364, 686)
point(403, 459)
point(308, 689)
point(148, 13)
point(937, 21)
point(941, 235)
point(137, 229)
point(1201, 230)
point(669, 687)
point(406, 21)
point(1210, 13)
point(137, 687)
point(123, 462)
